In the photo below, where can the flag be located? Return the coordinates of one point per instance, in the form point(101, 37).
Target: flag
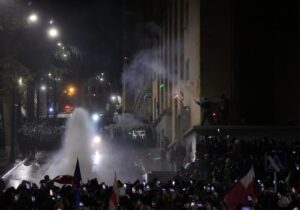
point(64, 179)
point(239, 192)
point(114, 197)
point(76, 185)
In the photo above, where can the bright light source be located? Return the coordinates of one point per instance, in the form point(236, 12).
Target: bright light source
point(43, 87)
point(113, 98)
point(96, 160)
point(97, 139)
point(71, 91)
point(33, 18)
point(49, 74)
point(59, 44)
point(101, 79)
point(162, 85)
point(20, 81)
point(65, 55)
point(95, 117)
point(51, 109)
point(51, 22)
point(53, 32)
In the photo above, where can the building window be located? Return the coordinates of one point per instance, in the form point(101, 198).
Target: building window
point(187, 69)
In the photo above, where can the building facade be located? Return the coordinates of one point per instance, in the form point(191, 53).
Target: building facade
point(212, 48)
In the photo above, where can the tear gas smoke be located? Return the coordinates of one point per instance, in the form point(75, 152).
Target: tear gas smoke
point(139, 73)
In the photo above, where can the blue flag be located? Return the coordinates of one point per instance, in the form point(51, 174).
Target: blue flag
point(76, 185)
point(77, 173)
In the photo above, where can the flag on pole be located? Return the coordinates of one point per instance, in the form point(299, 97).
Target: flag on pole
point(114, 197)
point(64, 179)
point(240, 191)
point(76, 185)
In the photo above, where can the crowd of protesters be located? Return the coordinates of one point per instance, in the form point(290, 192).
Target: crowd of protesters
point(203, 184)
point(221, 161)
point(37, 135)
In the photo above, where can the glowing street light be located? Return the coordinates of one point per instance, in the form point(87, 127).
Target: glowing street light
point(59, 44)
point(51, 22)
point(71, 91)
point(53, 32)
point(43, 87)
point(113, 98)
point(33, 18)
point(20, 81)
point(65, 55)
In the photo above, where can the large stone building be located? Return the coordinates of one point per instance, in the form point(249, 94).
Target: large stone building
point(136, 42)
point(246, 51)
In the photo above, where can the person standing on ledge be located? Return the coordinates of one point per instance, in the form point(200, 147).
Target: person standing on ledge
point(205, 106)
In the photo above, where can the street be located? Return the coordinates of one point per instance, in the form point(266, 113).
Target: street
point(127, 161)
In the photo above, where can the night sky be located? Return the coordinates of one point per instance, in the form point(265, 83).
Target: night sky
point(93, 26)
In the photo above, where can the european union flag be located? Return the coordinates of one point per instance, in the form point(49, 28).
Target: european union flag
point(77, 177)
point(77, 173)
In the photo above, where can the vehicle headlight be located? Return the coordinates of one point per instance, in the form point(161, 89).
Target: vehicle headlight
point(96, 139)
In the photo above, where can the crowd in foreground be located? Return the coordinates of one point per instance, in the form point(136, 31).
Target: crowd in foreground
point(220, 164)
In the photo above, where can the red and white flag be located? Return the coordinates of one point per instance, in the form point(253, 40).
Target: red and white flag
point(64, 179)
point(240, 191)
point(114, 197)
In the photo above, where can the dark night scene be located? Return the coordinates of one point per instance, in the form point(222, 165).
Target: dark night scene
point(149, 105)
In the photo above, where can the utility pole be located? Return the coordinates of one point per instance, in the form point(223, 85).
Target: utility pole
point(14, 126)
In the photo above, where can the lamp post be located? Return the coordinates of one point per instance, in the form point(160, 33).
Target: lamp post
point(53, 32)
point(33, 18)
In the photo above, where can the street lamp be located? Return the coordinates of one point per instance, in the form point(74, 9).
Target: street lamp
point(43, 87)
point(71, 91)
point(53, 32)
point(113, 98)
point(20, 81)
point(33, 18)
point(59, 44)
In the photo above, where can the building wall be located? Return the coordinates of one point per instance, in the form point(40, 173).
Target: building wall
point(209, 48)
point(176, 83)
point(216, 49)
point(191, 79)
point(163, 128)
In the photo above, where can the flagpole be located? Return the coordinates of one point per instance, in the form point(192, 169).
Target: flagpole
point(275, 182)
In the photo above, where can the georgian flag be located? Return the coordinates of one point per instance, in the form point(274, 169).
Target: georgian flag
point(114, 197)
point(239, 192)
point(64, 179)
